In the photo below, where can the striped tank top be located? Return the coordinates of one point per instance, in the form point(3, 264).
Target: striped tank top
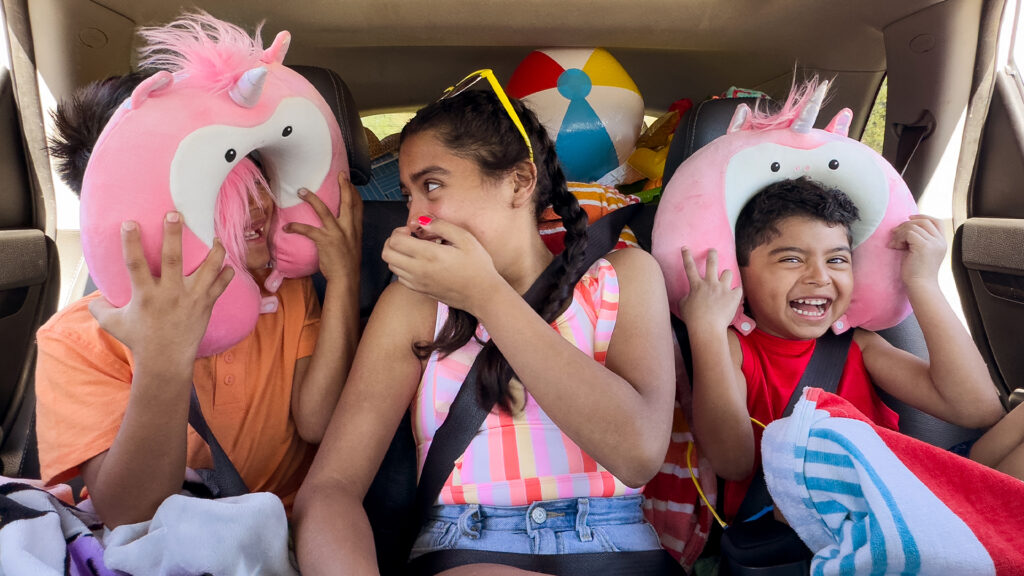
point(516, 459)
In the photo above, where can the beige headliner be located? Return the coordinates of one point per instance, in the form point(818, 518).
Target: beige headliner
point(398, 54)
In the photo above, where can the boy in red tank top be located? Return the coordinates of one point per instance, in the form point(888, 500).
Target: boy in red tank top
point(794, 249)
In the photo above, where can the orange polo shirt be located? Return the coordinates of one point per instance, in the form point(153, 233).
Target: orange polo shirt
point(84, 375)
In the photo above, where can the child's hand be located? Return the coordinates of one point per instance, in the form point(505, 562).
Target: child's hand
point(457, 272)
point(711, 303)
point(339, 241)
point(921, 236)
point(167, 316)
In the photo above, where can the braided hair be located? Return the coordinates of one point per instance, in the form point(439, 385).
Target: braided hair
point(474, 125)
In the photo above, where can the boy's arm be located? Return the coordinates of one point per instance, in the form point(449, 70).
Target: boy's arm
point(146, 462)
point(318, 379)
point(954, 385)
point(721, 423)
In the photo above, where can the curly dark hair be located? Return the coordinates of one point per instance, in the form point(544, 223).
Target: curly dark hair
point(474, 125)
point(757, 222)
point(80, 119)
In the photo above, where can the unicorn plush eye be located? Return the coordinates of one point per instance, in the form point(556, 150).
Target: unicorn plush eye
point(776, 166)
point(834, 164)
point(230, 155)
point(287, 131)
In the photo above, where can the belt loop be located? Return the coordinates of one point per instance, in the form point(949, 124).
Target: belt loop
point(469, 521)
point(582, 528)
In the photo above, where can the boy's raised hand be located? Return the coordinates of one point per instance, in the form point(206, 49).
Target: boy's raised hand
point(711, 302)
point(339, 241)
point(925, 245)
point(167, 315)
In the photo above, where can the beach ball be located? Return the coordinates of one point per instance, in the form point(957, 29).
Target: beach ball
point(589, 105)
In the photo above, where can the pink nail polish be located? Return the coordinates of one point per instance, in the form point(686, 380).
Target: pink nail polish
point(425, 220)
point(173, 217)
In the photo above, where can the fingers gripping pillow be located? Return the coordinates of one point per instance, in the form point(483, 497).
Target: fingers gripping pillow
point(175, 141)
point(702, 201)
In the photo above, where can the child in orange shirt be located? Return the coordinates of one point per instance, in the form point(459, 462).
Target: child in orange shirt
point(113, 384)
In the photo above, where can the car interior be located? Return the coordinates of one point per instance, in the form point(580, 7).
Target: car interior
point(953, 123)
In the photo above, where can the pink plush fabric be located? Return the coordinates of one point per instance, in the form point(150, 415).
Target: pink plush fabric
point(173, 144)
point(705, 195)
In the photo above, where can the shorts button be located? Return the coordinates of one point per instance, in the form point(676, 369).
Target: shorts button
point(539, 515)
point(229, 357)
point(229, 380)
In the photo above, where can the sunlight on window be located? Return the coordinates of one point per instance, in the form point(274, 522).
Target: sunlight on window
point(937, 201)
point(5, 55)
point(1016, 45)
point(384, 125)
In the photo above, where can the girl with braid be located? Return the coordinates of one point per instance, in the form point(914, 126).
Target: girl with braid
point(560, 462)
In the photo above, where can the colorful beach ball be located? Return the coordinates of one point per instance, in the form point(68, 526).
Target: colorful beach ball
point(590, 106)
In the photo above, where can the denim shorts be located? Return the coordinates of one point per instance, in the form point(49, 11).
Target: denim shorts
point(568, 526)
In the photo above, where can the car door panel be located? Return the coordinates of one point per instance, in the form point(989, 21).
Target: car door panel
point(988, 251)
point(29, 283)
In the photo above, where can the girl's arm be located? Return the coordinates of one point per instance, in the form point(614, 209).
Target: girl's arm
point(721, 422)
point(332, 531)
point(318, 379)
point(954, 385)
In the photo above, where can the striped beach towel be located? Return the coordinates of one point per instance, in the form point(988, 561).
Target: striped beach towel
point(671, 501)
point(867, 500)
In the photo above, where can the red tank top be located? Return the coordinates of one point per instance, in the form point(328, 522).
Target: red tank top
point(773, 367)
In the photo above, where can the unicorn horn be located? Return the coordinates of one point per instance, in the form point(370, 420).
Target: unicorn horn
point(809, 113)
point(246, 92)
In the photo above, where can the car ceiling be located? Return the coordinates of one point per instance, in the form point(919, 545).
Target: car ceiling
point(399, 54)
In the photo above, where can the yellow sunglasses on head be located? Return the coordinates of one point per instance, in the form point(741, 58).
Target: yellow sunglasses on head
point(488, 75)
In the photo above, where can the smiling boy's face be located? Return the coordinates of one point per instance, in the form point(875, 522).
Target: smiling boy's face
point(800, 282)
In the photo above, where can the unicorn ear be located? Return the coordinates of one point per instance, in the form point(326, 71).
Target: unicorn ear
point(740, 118)
point(841, 123)
point(149, 86)
point(277, 50)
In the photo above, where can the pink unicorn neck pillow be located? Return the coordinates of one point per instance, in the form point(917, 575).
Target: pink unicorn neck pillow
point(186, 134)
point(703, 199)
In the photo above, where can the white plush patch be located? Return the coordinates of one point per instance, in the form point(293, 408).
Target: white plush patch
point(857, 175)
point(300, 159)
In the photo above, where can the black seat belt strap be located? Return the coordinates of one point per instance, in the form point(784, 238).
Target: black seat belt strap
point(824, 370)
point(909, 138)
point(223, 480)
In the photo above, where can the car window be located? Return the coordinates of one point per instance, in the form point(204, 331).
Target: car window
point(874, 130)
point(1016, 52)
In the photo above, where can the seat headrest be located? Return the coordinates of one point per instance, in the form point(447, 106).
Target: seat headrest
point(702, 124)
point(336, 93)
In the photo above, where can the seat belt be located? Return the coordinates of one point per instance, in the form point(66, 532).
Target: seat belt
point(223, 479)
point(909, 138)
point(464, 419)
point(824, 370)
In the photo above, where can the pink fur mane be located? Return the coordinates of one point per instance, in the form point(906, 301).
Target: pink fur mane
point(231, 217)
point(795, 102)
point(207, 52)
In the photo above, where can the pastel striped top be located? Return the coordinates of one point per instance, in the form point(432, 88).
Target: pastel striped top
point(516, 459)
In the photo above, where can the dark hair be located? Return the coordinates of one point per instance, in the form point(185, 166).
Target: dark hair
point(80, 119)
point(756, 224)
point(474, 125)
